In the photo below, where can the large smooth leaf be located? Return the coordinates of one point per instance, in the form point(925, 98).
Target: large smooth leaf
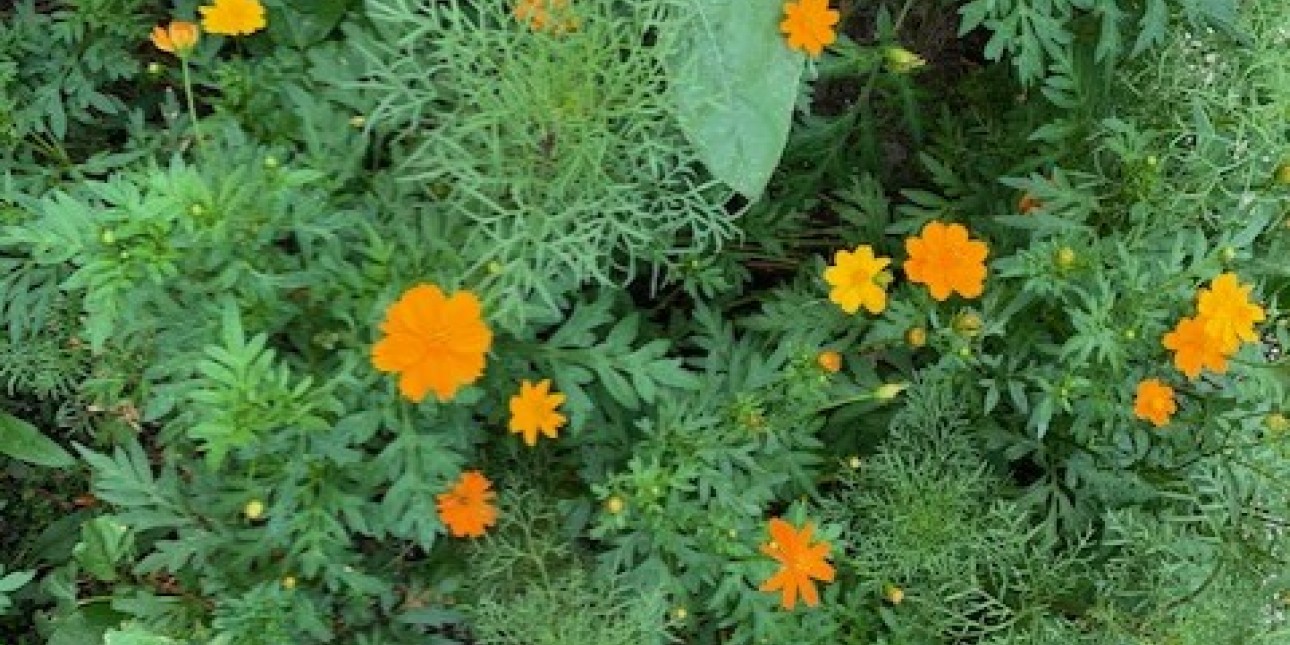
point(21, 440)
point(735, 85)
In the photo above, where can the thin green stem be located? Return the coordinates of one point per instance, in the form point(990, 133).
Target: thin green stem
point(192, 107)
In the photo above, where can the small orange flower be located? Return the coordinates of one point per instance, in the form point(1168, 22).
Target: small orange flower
point(467, 508)
point(800, 562)
point(857, 279)
point(1154, 402)
point(1227, 311)
point(1195, 348)
point(808, 25)
point(944, 259)
point(435, 342)
point(233, 17)
point(546, 15)
point(534, 410)
point(830, 361)
point(177, 38)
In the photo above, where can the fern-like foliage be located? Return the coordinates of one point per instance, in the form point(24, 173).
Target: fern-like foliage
point(563, 151)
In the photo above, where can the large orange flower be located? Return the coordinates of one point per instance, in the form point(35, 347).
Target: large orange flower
point(433, 341)
point(177, 38)
point(808, 25)
point(800, 563)
point(467, 508)
point(857, 279)
point(944, 259)
point(1154, 402)
point(1195, 348)
point(534, 410)
point(1227, 311)
point(233, 17)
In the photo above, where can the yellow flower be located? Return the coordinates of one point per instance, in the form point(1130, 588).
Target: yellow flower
point(946, 260)
point(857, 279)
point(177, 38)
point(1227, 311)
point(534, 410)
point(808, 25)
point(435, 342)
point(1195, 348)
point(1154, 402)
point(233, 17)
point(800, 563)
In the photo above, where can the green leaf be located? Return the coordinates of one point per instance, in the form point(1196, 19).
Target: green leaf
point(135, 634)
point(23, 441)
point(735, 89)
point(104, 542)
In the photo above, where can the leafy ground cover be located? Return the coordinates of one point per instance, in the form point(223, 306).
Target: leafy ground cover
point(561, 322)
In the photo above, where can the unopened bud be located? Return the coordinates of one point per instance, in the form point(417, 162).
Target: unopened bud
point(288, 582)
point(968, 324)
point(253, 510)
point(916, 337)
point(1065, 257)
point(902, 61)
point(614, 505)
point(829, 361)
point(894, 595)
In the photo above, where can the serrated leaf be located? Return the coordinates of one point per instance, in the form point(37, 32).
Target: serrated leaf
point(736, 84)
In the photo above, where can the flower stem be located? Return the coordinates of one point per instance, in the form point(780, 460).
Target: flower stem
point(192, 107)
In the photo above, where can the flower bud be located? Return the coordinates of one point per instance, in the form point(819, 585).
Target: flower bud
point(916, 336)
point(968, 324)
point(288, 582)
point(357, 121)
point(614, 505)
point(829, 361)
point(901, 61)
point(253, 510)
point(1282, 175)
point(1028, 204)
point(1276, 423)
point(108, 237)
point(1227, 254)
point(271, 162)
point(1065, 257)
point(893, 594)
point(680, 613)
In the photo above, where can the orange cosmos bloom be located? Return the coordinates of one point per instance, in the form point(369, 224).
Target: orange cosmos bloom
point(800, 562)
point(1196, 348)
point(233, 17)
point(435, 342)
point(1154, 402)
point(539, 15)
point(1227, 311)
point(808, 25)
point(467, 508)
point(944, 259)
point(177, 38)
point(533, 410)
point(857, 279)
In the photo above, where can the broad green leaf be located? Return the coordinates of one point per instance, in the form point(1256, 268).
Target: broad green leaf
point(23, 441)
point(735, 88)
point(104, 542)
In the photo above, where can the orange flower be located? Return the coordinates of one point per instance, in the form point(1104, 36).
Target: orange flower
point(808, 25)
point(1195, 348)
point(1154, 402)
point(233, 17)
point(538, 13)
point(857, 279)
point(467, 509)
point(830, 361)
point(435, 342)
point(1227, 311)
point(533, 410)
point(800, 562)
point(177, 38)
point(945, 260)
